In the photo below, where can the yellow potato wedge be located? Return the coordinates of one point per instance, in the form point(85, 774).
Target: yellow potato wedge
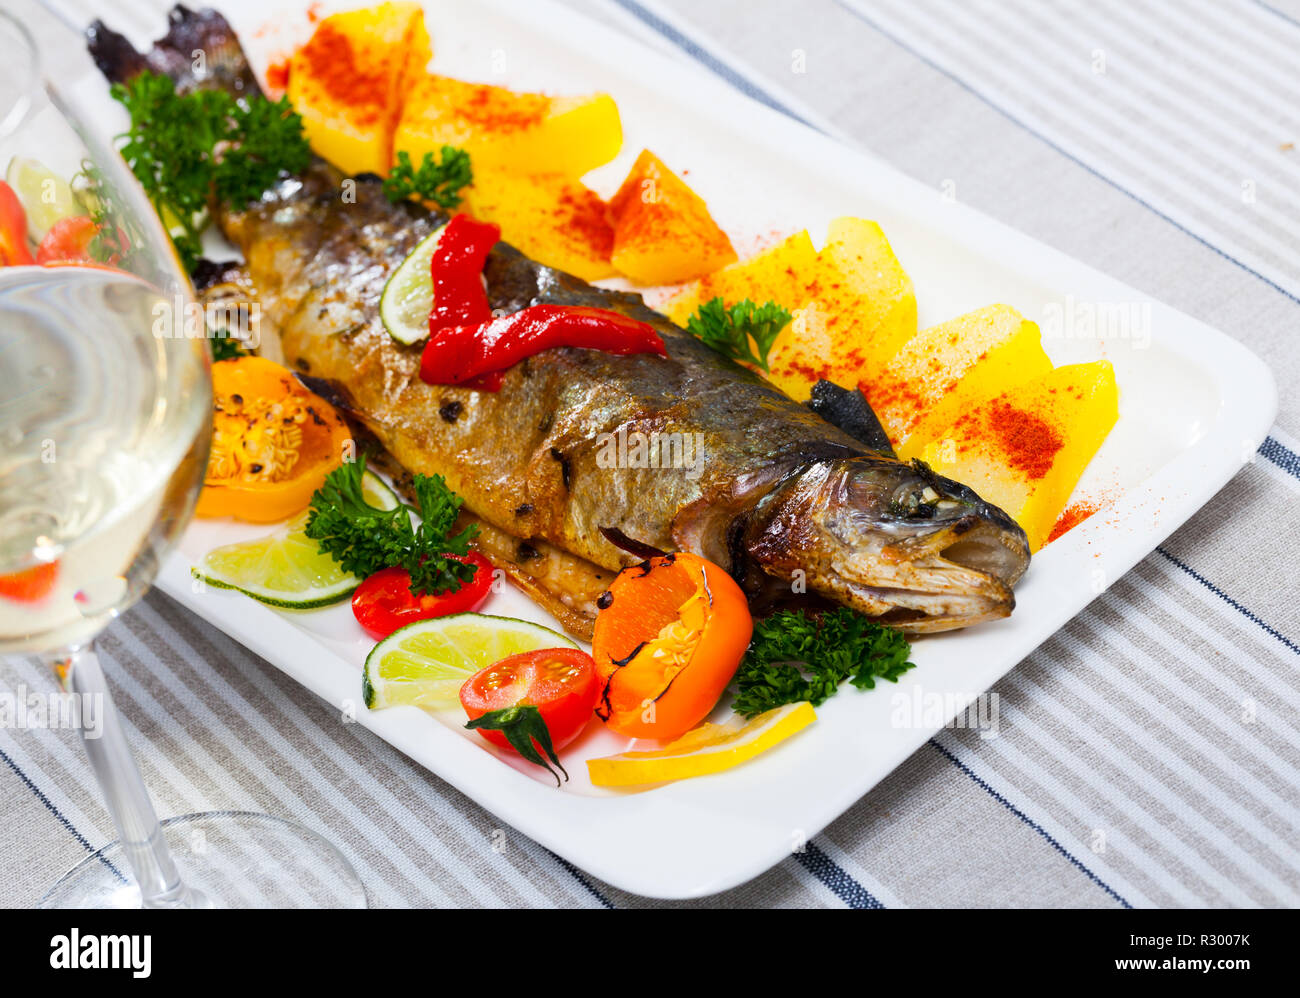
point(550, 217)
point(504, 129)
point(1025, 448)
point(347, 82)
point(780, 273)
point(968, 357)
point(852, 303)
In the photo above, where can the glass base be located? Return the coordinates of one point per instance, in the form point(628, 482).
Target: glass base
point(227, 859)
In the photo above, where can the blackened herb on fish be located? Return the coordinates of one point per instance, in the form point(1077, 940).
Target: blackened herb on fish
point(797, 656)
point(605, 600)
point(525, 552)
point(565, 470)
point(523, 509)
point(631, 545)
point(450, 411)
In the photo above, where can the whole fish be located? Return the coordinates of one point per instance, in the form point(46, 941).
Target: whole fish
point(584, 460)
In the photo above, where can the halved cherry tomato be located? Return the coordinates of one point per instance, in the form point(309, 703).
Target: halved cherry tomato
point(668, 638)
point(384, 602)
point(273, 442)
point(68, 240)
point(560, 682)
point(13, 229)
point(31, 584)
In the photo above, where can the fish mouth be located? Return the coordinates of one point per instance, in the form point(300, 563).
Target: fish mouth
point(910, 548)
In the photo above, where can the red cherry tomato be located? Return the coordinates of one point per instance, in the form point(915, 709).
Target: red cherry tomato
point(13, 229)
point(31, 584)
point(560, 682)
point(384, 602)
point(68, 239)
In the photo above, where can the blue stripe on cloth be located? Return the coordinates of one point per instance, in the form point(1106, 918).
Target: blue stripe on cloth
point(1278, 13)
point(1031, 823)
point(53, 809)
point(1066, 153)
point(844, 887)
point(578, 875)
point(741, 83)
point(1283, 457)
point(1244, 611)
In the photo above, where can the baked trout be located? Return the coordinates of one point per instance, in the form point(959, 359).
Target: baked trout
point(583, 461)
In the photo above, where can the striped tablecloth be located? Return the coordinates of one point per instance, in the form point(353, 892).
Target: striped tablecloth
point(1148, 755)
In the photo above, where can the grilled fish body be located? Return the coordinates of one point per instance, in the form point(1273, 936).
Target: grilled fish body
point(583, 454)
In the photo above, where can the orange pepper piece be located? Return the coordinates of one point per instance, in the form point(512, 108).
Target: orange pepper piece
point(273, 442)
point(668, 638)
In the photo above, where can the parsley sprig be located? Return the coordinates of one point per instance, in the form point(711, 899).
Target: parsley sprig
point(744, 331)
point(364, 539)
point(795, 656)
point(436, 180)
point(186, 149)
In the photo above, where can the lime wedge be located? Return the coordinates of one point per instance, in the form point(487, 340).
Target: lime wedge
point(46, 197)
point(287, 569)
point(426, 663)
point(408, 295)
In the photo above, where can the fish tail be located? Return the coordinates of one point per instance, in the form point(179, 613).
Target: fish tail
point(200, 51)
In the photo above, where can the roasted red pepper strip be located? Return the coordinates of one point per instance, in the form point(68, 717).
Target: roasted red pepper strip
point(456, 355)
point(457, 270)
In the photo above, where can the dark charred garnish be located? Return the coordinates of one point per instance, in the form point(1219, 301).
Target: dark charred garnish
point(605, 600)
point(617, 663)
point(623, 542)
point(523, 509)
point(450, 411)
point(526, 552)
point(565, 470)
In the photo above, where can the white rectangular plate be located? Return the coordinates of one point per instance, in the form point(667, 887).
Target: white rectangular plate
point(1194, 404)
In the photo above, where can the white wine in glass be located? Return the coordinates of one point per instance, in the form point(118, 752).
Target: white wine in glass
point(105, 418)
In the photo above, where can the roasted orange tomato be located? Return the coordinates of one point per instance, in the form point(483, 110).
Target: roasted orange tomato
point(668, 638)
point(273, 442)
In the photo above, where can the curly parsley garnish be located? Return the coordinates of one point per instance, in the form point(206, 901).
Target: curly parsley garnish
point(796, 656)
point(363, 539)
point(730, 331)
point(186, 149)
point(439, 181)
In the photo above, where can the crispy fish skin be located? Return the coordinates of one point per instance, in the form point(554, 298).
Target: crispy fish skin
point(778, 493)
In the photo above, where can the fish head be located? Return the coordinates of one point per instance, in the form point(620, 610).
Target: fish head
point(896, 541)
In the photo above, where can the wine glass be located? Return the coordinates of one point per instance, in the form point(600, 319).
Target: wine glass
point(105, 420)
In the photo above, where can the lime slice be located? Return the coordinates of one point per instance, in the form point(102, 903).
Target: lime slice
point(710, 748)
point(426, 663)
point(408, 295)
point(287, 569)
point(176, 228)
point(377, 492)
point(47, 198)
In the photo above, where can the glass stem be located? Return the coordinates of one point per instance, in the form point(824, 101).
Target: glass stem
point(121, 784)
